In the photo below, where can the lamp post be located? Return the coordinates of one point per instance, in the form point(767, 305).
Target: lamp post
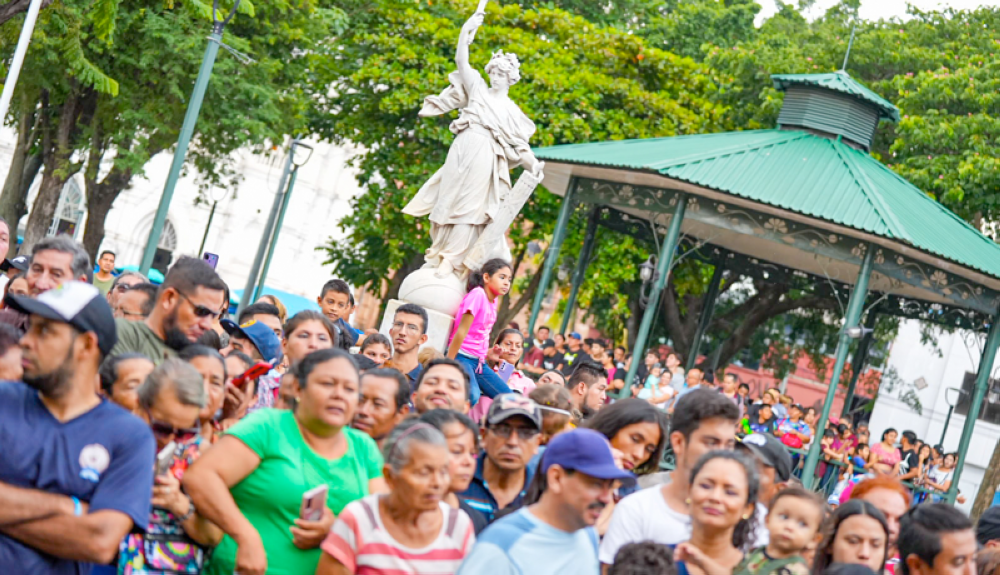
point(211, 216)
point(648, 274)
point(951, 395)
point(22, 48)
point(187, 131)
point(286, 197)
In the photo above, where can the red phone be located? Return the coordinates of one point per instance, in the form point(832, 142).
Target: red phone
point(261, 368)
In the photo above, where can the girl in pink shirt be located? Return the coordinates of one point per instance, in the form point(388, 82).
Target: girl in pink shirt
point(469, 343)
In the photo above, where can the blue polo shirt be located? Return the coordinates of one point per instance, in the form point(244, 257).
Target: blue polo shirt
point(478, 494)
point(413, 376)
point(104, 457)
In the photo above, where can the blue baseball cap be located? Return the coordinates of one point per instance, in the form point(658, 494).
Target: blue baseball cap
point(586, 451)
point(260, 335)
point(574, 335)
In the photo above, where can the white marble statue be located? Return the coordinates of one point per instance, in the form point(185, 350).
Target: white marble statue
point(491, 137)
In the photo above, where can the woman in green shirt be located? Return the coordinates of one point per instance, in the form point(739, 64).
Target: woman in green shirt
point(251, 484)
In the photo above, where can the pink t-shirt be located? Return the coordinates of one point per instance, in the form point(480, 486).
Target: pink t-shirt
point(484, 315)
point(361, 543)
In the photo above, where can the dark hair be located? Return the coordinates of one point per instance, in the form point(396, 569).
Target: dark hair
point(643, 558)
point(507, 332)
point(196, 350)
point(246, 359)
point(106, 252)
point(190, 273)
point(699, 405)
point(910, 437)
point(210, 339)
point(678, 355)
point(413, 309)
point(443, 361)
point(887, 432)
point(848, 569)
point(743, 386)
point(620, 414)
point(920, 531)
point(441, 418)
point(489, 268)
point(402, 395)
point(853, 507)
point(337, 286)
point(9, 337)
point(588, 372)
point(541, 327)
point(306, 365)
point(374, 339)
point(109, 368)
point(259, 308)
point(363, 362)
point(557, 372)
point(743, 533)
point(150, 290)
point(303, 316)
point(804, 495)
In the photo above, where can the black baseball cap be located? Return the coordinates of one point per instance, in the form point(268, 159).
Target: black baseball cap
point(79, 304)
point(20, 263)
point(507, 405)
point(771, 452)
point(988, 528)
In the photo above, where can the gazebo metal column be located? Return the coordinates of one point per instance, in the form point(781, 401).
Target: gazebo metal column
point(664, 263)
point(859, 360)
point(854, 308)
point(982, 384)
point(707, 309)
point(558, 235)
point(581, 266)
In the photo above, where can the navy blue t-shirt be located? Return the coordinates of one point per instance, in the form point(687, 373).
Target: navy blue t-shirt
point(104, 457)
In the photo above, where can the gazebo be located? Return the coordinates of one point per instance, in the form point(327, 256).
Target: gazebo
point(805, 202)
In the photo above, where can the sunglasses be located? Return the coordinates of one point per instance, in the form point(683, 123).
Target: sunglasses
point(162, 429)
point(200, 310)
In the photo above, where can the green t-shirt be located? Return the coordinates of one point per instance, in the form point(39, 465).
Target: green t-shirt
point(104, 286)
point(136, 336)
point(271, 497)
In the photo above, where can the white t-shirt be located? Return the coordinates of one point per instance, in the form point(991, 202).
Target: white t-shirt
point(761, 535)
point(644, 516)
point(939, 476)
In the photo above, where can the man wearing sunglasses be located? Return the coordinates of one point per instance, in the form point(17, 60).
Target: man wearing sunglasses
point(187, 304)
point(75, 469)
point(510, 435)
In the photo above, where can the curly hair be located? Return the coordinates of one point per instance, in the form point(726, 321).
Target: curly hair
point(507, 64)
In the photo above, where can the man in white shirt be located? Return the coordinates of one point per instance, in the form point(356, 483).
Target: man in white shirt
point(704, 420)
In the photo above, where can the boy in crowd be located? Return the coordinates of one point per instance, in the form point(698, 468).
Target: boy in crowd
point(795, 519)
point(337, 303)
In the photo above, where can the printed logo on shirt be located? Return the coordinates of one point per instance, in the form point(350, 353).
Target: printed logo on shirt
point(94, 459)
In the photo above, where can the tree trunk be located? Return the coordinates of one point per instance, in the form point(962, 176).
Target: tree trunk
point(988, 487)
point(392, 286)
point(15, 7)
point(23, 169)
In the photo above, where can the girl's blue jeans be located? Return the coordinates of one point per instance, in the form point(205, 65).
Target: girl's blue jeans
point(483, 381)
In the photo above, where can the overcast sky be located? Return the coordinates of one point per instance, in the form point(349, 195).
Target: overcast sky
point(875, 9)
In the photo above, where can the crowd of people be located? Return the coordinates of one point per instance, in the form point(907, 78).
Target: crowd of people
point(147, 432)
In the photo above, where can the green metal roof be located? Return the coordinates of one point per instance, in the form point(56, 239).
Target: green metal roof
point(804, 173)
point(839, 81)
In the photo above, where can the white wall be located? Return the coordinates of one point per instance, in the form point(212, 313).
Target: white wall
point(960, 353)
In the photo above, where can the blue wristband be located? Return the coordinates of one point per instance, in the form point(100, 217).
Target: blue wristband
point(77, 507)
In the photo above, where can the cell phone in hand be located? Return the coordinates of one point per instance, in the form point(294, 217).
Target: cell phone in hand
point(505, 370)
point(165, 458)
point(259, 369)
point(313, 502)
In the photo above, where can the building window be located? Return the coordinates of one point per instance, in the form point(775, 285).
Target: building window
point(69, 211)
point(990, 411)
point(165, 249)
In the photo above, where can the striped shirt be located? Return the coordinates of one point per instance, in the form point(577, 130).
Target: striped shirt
point(360, 541)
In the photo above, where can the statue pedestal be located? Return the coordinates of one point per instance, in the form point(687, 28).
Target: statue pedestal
point(439, 296)
point(438, 325)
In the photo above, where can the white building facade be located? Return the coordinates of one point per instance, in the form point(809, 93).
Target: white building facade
point(936, 376)
point(321, 197)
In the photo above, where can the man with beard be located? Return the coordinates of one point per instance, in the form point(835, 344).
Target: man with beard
point(75, 469)
point(588, 388)
point(511, 433)
point(442, 385)
point(187, 303)
point(556, 534)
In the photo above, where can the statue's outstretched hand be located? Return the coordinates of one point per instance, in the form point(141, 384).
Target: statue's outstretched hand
point(536, 170)
point(472, 25)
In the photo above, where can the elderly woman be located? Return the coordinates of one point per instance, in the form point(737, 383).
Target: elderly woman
point(410, 530)
point(177, 537)
point(491, 137)
point(252, 482)
point(212, 368)
point(462, 435)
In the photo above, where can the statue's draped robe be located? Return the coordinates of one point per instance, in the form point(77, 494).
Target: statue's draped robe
point(462, 197)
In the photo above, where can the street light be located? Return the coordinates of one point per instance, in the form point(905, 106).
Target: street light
point(857, 332)
point(648, 274)
point(951, 395)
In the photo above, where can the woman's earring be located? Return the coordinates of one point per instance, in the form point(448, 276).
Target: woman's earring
point(687, 501)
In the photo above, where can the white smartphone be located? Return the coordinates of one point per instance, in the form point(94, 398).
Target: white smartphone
point(165, 458)
point(313, 502)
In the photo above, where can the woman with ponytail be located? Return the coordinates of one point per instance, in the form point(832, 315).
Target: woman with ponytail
point(477, 313)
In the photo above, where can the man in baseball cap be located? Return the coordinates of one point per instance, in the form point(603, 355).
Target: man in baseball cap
point(775, 467)
point(988, 529)
point(510, 436)
point(84, 461)
point(254, 339)
point(556, 534)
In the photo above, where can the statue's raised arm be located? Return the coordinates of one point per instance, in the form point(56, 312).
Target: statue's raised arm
point(468, 34)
